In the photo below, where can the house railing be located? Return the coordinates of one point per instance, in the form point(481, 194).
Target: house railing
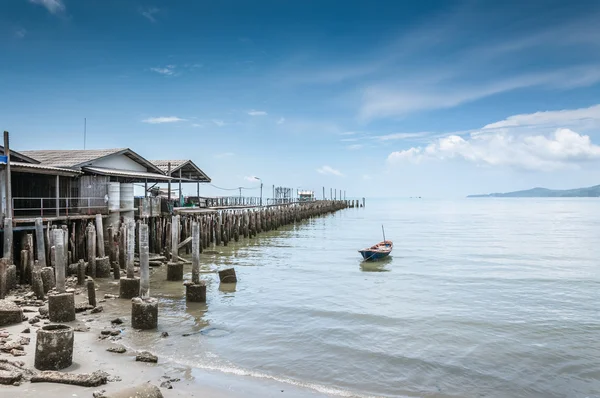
point(56, 207)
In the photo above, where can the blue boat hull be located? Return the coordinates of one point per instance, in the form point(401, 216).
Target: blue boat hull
point(373, 255)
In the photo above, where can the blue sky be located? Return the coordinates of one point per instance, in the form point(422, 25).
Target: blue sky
point(431, 98)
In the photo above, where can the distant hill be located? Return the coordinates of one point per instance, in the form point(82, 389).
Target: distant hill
point(546, 193)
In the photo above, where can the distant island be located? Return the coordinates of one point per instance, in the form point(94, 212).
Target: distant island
point(590, 192)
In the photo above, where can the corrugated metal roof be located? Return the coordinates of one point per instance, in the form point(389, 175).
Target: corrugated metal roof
point(42, 169)
point(70, 157)
point(126, 173)
point(190, 172)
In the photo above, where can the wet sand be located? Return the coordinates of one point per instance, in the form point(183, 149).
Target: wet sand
point(90, 355)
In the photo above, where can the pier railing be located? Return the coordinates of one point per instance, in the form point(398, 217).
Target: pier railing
point(57, 207)
point(243, 201)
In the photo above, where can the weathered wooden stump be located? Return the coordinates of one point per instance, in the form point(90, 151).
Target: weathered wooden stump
point(37, 285)
point(144, 313)
point(61, 307)
point(54, 347)
point(228, 276)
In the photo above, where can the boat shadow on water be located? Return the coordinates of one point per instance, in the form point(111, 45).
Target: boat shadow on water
point(376, 266)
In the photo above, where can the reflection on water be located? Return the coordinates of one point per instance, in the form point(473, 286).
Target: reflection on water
point(227, 287)
point(382, 265)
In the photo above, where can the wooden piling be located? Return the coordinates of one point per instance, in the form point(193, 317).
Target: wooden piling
point(100, 236)
point(39, 239)
point(144, 261)
point(8, 240)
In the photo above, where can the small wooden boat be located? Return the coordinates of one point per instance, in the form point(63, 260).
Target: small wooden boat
point(378, 251)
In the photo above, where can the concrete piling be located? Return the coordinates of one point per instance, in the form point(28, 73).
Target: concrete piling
point(196, 290)
point(54, 347)
point(91, 247)
point(129, 287)
point(37, 285)
point(81, 267)
point(8, 240)
point(144, 313)
point(91, 290)
point(228, 276)
point(61, 305)
point(144, 262)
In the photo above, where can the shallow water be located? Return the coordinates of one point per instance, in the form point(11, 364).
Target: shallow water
point(481, 298)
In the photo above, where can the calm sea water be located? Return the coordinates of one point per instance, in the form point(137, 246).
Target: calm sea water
point(482, 298)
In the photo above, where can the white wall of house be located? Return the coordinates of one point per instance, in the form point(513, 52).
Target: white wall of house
point(121, 162)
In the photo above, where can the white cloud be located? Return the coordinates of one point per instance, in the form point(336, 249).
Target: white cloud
point(218, 122)
point(54, 6)
point(251, 179)
point(20, 33)
point(168, 70)
point(257, 113)
point(197, 125)
point(329, 171)
point(223, 155)
point(281, 120)
point(349, 133)
point(163, 119)
point(562, 149)
point(354, 147)
point(149, 13)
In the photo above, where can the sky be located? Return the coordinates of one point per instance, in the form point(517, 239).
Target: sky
point(379, 99)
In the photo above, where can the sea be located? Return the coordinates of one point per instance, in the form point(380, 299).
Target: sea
point(490, 297)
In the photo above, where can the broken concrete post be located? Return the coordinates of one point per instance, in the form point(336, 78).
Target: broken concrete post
point(144, 262)
point(91, 289)
point(142, 391)
point(61, 307)
point(144, 313)
point(174, 271)
point(195, 292)
point(37, 285)
point(91, 247)
point(103, 268)
point(39, 240)
point(10, 313)
point(48, 278)
point(8, 240)
point(81, 272)
point(227, 276)
point(129, 288)
point(54, 347)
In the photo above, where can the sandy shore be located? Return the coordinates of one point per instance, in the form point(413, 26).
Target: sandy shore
point(90, 355)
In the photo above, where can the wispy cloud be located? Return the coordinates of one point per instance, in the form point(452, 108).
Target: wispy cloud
point(20, 33)
point(149, 13)
point(197, 125)
point(223, 155)
point(257, 113)
point(354, 147)
point(281, 120)
point(571, 117)
point(251, 179)
point(54, 6)
point(163, 119)
point(328, 170)
point(349, 133)
point(218, 122)
point(400, 136)
point(168, 70)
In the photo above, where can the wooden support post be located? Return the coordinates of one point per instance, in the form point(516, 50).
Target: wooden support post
point(59, 239)
point(130, 248)
point(7, 180)
point(169, 175)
